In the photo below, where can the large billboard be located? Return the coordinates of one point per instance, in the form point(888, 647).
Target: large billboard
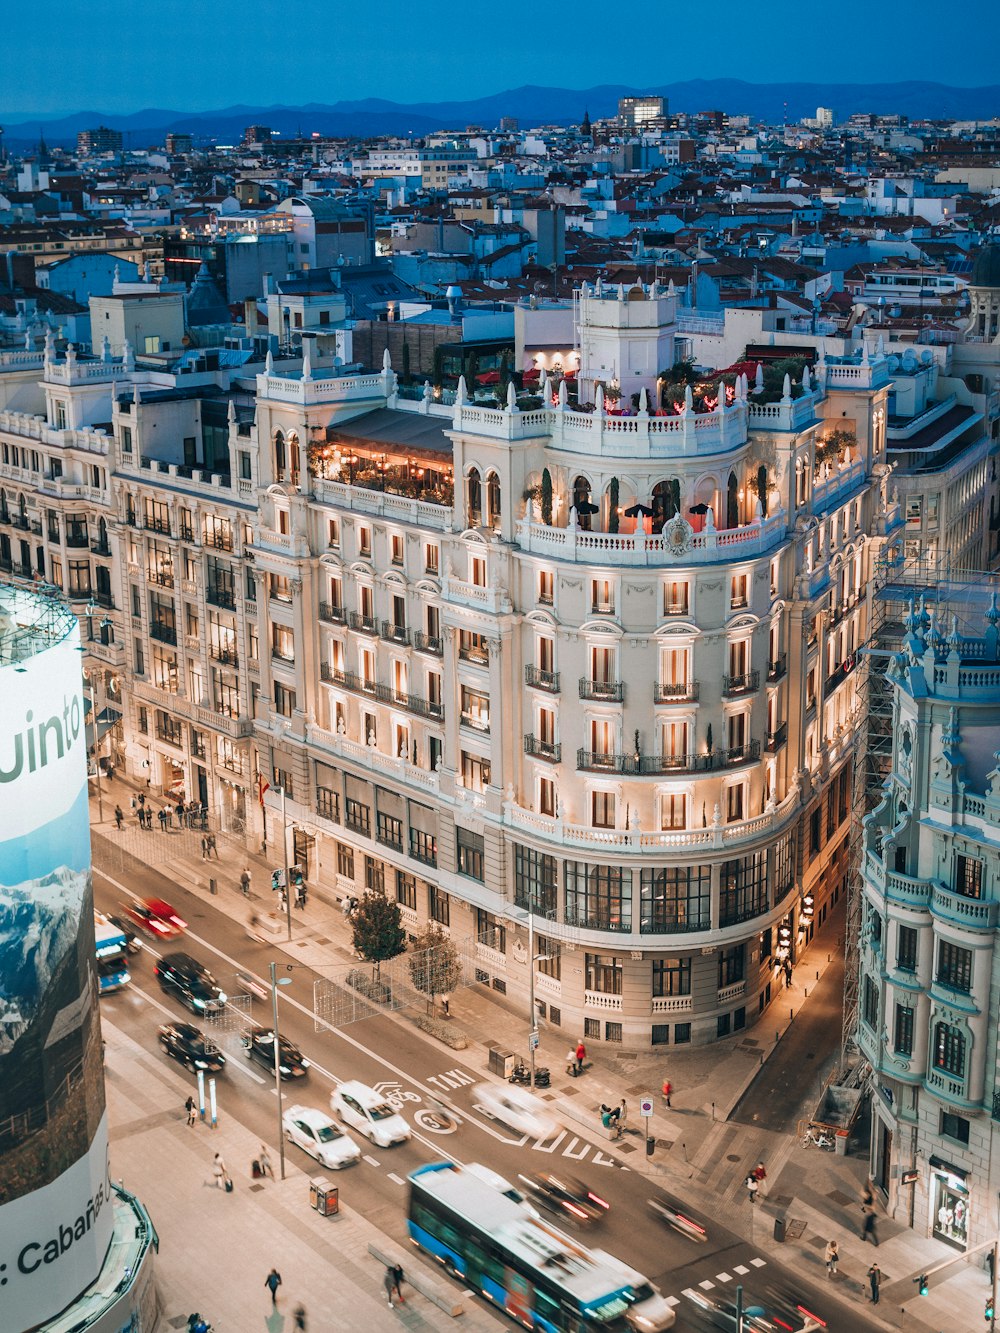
point(56, 1217)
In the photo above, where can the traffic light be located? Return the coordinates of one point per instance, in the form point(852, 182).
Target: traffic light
point(922, 1284)
point(989, 1309)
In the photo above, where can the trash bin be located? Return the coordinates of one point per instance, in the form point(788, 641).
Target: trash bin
point(324, 1197)
point(779, 1227)
point(840, 1142)
point(502, 1062)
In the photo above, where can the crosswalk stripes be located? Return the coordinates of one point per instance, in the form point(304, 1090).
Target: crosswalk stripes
point(720, 1279)
point(758, 1263)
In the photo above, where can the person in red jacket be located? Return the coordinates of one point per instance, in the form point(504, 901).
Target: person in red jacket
point(581, 1055)
point(667, 1090)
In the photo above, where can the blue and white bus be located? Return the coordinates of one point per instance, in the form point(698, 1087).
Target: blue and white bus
point(522, 1264)
point(112, 950)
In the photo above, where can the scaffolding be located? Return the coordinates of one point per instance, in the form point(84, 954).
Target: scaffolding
point(897, 587)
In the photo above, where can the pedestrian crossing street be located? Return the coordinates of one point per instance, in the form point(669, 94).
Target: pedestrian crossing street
point(720, 1280)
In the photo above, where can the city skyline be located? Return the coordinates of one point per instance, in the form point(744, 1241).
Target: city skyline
point(426, 55)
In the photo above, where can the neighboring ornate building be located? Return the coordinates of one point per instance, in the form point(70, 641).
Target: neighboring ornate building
point(929, 966)
point(984, 296)
point(595, 665)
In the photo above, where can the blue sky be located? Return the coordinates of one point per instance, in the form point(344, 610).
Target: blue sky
point(121, 56)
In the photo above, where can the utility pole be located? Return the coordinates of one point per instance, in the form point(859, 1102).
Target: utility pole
point(284, 852)
point(277, 1062)
point(532, 1029)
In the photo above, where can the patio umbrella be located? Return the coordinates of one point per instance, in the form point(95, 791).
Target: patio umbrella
point(488, 377)
point(699, 509)
point(634, 511)
point(586, 507)
point(531, 374)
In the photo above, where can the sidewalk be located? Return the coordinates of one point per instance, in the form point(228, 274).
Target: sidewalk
point(698, 1151)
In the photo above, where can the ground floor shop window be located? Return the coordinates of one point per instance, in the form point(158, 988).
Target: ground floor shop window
point(951, 1209)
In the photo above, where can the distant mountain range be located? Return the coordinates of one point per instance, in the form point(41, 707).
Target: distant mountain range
point(531, 105)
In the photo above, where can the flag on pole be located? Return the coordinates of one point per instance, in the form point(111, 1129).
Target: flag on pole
point(263, 787)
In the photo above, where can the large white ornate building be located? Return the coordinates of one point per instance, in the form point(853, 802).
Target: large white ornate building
point(928, 1006)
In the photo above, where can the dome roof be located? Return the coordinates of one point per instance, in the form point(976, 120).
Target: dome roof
point(986, 269)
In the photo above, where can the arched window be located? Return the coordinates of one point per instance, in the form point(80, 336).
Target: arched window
point(666, 502)
point(733, 502)
point(293, 457)
point(4, 512)
point(102, 534)
point(582, 502)
point(762, 488)
point(949, 1050)
point(22, 509)
point(280, 457)
point(493, 500)
point(474, 491)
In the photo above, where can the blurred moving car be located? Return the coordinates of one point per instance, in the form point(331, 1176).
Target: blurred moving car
point(516, 1107)
point(190, 1047)
point(366, 1110)
point(315, 1133)
point(154, 918)
point(565, 1195)
point(190, 982)
point(132, 941)
point(501, 1184)
point(674, 1215)
point(259, 1044)
point(723, 1314)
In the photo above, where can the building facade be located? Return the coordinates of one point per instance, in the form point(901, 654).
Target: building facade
point(930, 866)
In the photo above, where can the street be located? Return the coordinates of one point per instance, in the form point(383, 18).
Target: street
point(409, 1069)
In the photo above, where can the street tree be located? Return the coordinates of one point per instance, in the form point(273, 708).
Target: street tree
point(434, 964)
point(378, 930)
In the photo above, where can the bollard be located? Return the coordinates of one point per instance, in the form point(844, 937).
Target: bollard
point(805, 993)
point(817, 974)
point(713, 1110)
point(777, 1036)
point(650, 1143)
point(791, 1014)
point(213, 888)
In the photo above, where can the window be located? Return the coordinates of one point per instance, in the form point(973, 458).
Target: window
point(284, 700)
point(389, 830)
point(406, 890)
point(743, 889)
point(735, 794)
point(738, 591)
point(549, 957)
point(491, 931)
point(955, 1127)
point(682, 1033)
point(470, 854)
point(602, 809)
point(432, 557)
point(374, 875)
point(906, 948)
point(477, 571)
point(675, 898)
point(282, 643)
point(358, 816)
point(598, 897)
point(613, 1032)
point(869, 1004)
point(534, 880)
point(328, 804)
point(954, 966)
point(475, 772)
point(546, 587)
point(660, 1035)
point(949, 1050)
point(675, 599)
point(397, 549)
point(345, 860)
point(784, 866)
point(364, 540)
point(439, 904)
point(603, 974)
point(423, 847)
point(602, 596)
point(475, 709)
point(673, 810)
point(671, 976)
point(732, 966)
point(903, 1038)
point(969, 877)
point(592, 1029)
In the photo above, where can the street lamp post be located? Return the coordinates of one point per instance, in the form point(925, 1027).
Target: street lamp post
point(277, 1064)
point(284, 852)
point(97, 759)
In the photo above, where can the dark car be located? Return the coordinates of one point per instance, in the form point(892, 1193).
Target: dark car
point(191, 982)
point(259, 1044)
point(189, 1045)
point(132, 941)
point(565, 1195)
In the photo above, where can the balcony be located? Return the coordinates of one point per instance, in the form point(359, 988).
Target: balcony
point(478, 656)
point(611, 691)
point(673, 1004)
point(394, 633)
point(428, 643)
point(365, 624)
point(187, 533)
point(542, 680)
point(593, 999)
point(540, 749)
point(221, 597)
point(675, 693)
point(777, 669)
point(414, 703)
point(100, 548)
point(164, 578)
point(644, 765)
point(744, 684)
point(475, 722)
point(332, 615)
point(906, 889)
point(77, 540)
point(733, 992)
point(164, 633)
point(160, 525)
point(220, 539)
point(654, 551)
point(105, 599)
point(972, 913)
point(776, 739)
point(227, 656)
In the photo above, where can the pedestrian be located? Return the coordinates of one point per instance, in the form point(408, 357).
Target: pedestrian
point(149, 817)
point(245, 882)
point(300, 1317)
point(622, 1116)
point(667, 1090)
point(266, 1169)
point(300, 895)
point(397, 1277)
point(867, 1195)
point(118, 815)
point(832, 1258)
point(273, 1282)
point(571, 1062)
point(446, 1004)
point(191, 1108)
point(788, 971)
point(219, 1171)
point(751, 1187)
point(760, 1173)
point(868, 1227)
point(212, 849)
point(161, 815)
point(134, 803)
point(142, 799)
point(581, 1055)
point(180, 814)
point(204, 848)
point(389, 1282)
point(609, 1120)
point(110, 770)
point(874, 1281)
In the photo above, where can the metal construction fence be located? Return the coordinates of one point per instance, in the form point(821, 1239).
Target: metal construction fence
point(353, 994)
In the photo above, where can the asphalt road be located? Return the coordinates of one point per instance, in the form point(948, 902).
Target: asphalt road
point(410, 1069)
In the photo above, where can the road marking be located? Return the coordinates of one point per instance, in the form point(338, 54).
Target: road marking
point(691, 1294)
point(723, 1277)
point(758, 1263)
point(569, 1152)
point(672, 1300)
point(244, 1069)
point(396, 1180)
point(741, 1269)
point(707, 1285)
point(431, 1121)
point(451, 1079)
point(372, 1161)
